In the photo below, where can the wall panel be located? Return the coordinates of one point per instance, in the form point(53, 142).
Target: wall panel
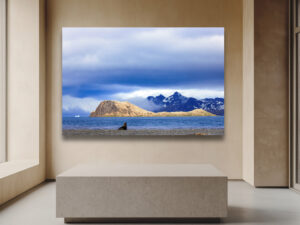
point(223, 152)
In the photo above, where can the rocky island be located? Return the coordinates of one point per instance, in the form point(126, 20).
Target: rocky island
point(126, 109)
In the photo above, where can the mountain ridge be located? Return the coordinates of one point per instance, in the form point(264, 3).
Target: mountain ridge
point(178, 102)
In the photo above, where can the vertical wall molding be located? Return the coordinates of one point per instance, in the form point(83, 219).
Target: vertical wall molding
point(3, 81)
point(248, 91)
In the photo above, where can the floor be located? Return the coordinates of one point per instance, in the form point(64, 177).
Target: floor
point(247, 205)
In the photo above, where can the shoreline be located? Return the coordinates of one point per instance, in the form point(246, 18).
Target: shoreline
point(144, 132)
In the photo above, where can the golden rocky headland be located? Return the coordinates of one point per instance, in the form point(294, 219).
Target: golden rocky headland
point(126, 109)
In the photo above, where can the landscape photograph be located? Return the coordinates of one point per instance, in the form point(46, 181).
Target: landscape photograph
point(142, 81)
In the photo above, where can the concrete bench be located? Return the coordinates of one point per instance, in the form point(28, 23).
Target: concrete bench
point(130, 193)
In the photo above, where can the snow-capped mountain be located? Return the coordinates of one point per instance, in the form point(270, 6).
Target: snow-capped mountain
point(178, 102)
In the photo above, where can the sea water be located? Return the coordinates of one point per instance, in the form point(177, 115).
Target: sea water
point(141, 123)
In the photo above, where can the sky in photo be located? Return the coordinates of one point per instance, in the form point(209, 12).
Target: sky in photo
point(130, 64)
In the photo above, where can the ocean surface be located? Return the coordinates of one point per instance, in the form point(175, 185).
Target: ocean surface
point(141, 123)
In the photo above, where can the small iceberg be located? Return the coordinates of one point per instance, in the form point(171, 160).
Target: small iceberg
point(77, 116)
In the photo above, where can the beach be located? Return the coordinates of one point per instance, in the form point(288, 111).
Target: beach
point(142, 132)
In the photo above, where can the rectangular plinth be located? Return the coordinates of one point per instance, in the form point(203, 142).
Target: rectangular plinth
point(141, 191)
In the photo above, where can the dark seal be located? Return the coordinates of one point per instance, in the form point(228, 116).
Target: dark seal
point(124, 127)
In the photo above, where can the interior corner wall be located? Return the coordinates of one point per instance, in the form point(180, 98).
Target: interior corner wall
point(223, 152)
point(41, 120)
point(271, 94)
point(248, 91)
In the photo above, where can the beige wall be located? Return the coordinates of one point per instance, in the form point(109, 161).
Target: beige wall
point(22, 79)
point(25, 98)
point(223, 152)
point(25, 79)
point(271, 104)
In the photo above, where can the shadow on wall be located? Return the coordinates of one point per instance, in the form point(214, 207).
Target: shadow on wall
point(136, 138)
